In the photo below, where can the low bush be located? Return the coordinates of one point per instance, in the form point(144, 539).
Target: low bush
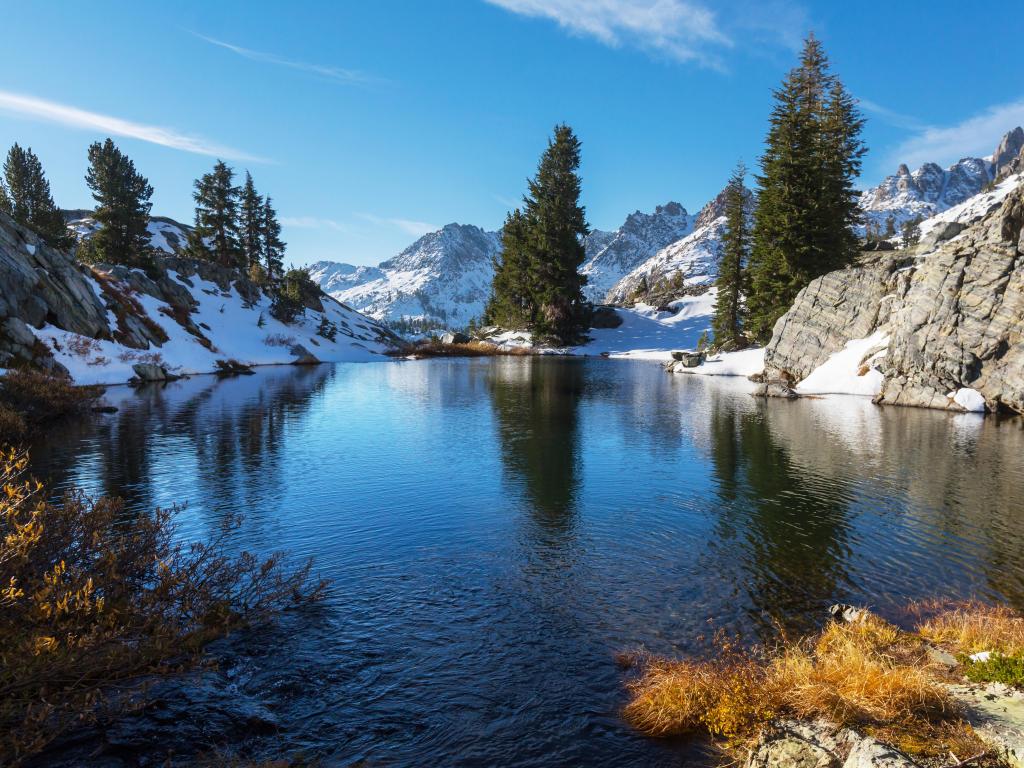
point(867, 674)
point(92, 599)
point(29, 398)
point(997, 668)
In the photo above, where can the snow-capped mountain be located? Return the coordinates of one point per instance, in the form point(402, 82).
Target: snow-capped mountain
point(640, 237)
point(443, 279)
point(690, 260)
point(930, 190)
point(925, 192)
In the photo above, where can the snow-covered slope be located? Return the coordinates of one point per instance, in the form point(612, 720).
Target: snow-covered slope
point(165, 234)
point(925, 192)
point(233, 329)
point(441, 280)
point(690, 260)
point(611, 256)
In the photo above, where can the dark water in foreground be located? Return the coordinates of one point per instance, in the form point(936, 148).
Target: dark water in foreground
point(497, 530)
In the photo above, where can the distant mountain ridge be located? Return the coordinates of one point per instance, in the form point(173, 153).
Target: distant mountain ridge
point(443, 279)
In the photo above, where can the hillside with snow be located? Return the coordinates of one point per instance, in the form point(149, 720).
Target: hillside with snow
point(611, 256)
point(103, 324)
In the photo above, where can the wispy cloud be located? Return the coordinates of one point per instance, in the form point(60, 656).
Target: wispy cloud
point(338, 74)
point(892, 117)
point(976, 136)
point(52, 112)
point(416, 228)
point(681, 29)
point(313, 222)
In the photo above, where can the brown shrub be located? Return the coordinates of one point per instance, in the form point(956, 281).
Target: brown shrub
point(865, 674)
point(91, 599)
point(470, 349)
point(972, 627)
point(39, 397)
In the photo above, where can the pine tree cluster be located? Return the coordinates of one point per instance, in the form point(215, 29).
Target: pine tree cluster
point(537, 284)
point(25, 197)
point(730, 318)
point(235, 226)
point(807, 204)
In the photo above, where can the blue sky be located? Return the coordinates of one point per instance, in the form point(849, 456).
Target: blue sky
point(372, 122)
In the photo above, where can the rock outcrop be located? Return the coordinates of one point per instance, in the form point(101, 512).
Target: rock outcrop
point(953, 312)
point(41, 284)
point(109, 323)
point(820, 745)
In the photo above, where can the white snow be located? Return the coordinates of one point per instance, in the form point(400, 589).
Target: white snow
point(974, 208)
point(746, 362)
point(849, 371)
point(969, 399)
point(234, 331)
point(30, 248)
point(647, 334)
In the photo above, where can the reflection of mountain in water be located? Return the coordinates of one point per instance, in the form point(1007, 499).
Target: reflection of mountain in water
point(536, 406)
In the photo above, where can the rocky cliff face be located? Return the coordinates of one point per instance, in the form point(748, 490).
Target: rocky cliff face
point(640, 237)
point(689, 262)
point(98, 323)
point(949, 317)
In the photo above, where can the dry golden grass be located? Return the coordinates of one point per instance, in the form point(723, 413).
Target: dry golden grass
point(863, 674)
point(974, 627)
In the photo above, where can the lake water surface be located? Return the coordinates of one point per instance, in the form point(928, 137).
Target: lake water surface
point(496, 530)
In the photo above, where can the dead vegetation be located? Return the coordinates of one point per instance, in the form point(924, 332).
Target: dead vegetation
point(30, 398)
point(475, 348)
point(93, 599)
point(867, 674)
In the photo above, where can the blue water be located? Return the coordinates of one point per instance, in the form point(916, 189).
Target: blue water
point(497, 530)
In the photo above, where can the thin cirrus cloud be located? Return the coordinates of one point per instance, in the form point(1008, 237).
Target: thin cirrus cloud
point(683, 30)
point(977, 136)
point(73, 117)
point(337, 74)
point(313, 222)
point(415, 228)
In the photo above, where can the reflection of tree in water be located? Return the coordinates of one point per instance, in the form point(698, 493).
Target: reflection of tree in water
point(535, 403)
point(787, 534)
point(233, 429)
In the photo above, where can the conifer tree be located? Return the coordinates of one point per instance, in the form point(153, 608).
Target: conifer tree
point(807, 204)
point(123, 204)
point(270, 237)
point(730, 313)
point(25, 196)
point(216, 224)
point(537, 282)
point(251, 223)
point(557, 226)
point(510, 305)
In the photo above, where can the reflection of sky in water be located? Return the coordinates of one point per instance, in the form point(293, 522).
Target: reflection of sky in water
point(497, 529)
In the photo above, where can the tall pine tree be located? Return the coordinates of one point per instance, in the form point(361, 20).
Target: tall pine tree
point(557, 226)
point(537, 282)
point(807, 203)
point(215, 235)
point(123, 204)
point(270, 237)
point(25, 196)
point(251, 223)
point(730, 312)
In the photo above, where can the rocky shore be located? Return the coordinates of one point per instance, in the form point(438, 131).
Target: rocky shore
point(948, 315)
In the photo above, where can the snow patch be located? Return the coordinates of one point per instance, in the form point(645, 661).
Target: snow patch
point(849, 371)
point(969, 399)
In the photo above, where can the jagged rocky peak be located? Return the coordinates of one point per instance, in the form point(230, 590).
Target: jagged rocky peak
point(640, 237)
point(715, 208)
point(1009, 155)
point(453, 245)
